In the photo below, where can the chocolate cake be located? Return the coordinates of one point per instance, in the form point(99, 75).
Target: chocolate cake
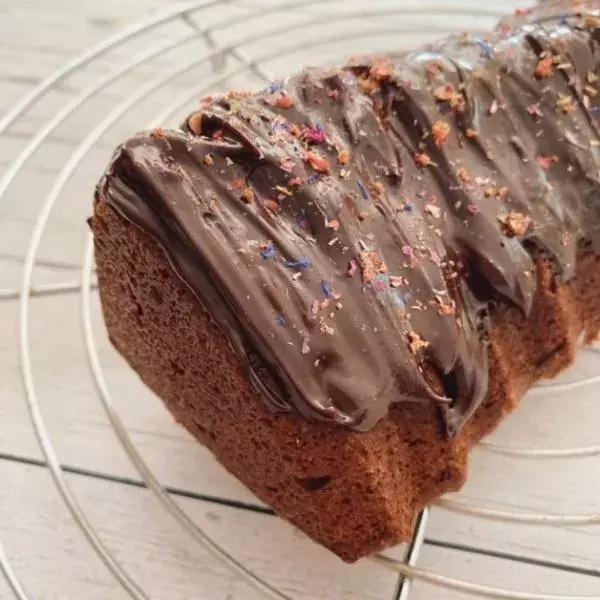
point(341, 283)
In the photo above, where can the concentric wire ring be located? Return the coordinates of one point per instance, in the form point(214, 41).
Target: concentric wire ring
point(406, 570)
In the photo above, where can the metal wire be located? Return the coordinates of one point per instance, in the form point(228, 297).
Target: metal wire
point(217, 57)
point(541, 452)
point(557, 386)
point(517, 517)
point(10, 576)
point(133, 31)
point(412, 555)
point(482, 591)
point(49, 289)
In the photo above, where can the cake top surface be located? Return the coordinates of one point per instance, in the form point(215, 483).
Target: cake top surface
point(350, 229)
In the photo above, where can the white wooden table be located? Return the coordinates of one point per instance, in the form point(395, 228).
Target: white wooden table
point(46, 549)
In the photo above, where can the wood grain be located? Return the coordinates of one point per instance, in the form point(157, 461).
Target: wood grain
point(49, 552)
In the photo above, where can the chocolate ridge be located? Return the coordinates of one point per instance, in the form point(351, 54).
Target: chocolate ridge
point(351, 229)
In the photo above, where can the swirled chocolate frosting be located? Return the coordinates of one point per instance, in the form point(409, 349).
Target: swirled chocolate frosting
point(349, 229)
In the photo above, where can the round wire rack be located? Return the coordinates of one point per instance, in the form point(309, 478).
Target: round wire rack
point(151, 74)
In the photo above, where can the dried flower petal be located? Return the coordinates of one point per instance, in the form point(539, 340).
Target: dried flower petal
point(287, 164)
point(592, 22)
point(463, 175)
point(416, 342)
point(502, 193)
point(446, 309)
point(318, 163)
point(371, 264)
point(248, 195)
point(448, 93)
point(382, 69)
point(565, 103)
point(195, 123)
point(545, 67)
point(285, 102)
point(547, 162)
point(516, 223)
point(433, 210)
point(423, 160)
point(535, 110)
point(283, 190)
point(302, 263)
point(344, 157)
point(327, 289)
point(315, 135)
point(524, 12)
point(305, 345)
point(363, 189)
point(272, 205)
point(268, 251)
point(367, 85)
point(352, 268)
point(441, 132)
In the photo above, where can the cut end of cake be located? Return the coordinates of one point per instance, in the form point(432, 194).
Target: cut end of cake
point(354, 493)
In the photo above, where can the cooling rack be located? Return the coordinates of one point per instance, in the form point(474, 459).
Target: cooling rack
point(183, 53)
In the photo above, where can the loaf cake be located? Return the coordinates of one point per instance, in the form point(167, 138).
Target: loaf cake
point(343, 282)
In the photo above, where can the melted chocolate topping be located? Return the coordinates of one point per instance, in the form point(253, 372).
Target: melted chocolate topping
point(349, 229)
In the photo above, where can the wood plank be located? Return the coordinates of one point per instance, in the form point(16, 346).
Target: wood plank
point(54, 561)
point(497, 573)
point(76, 418)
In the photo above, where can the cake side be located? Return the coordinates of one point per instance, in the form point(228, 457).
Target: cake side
point(355, 493)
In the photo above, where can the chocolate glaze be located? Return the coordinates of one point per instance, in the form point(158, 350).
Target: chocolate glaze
point(349, 229)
